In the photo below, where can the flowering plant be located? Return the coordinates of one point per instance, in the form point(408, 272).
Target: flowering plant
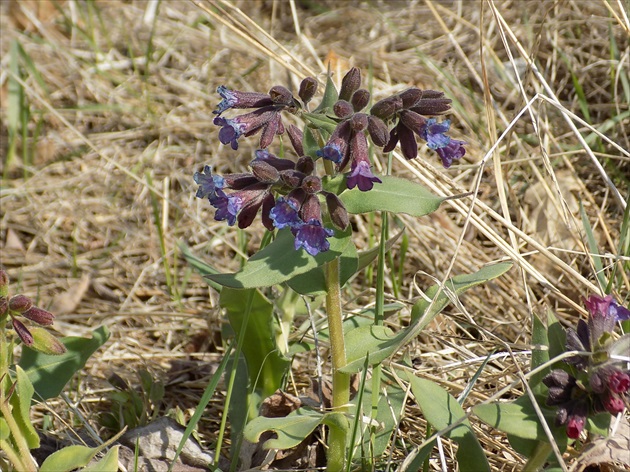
point(305, 203)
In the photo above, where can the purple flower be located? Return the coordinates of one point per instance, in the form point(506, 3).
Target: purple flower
point(361, 176)
point(285, 214)
point(230, 131)
point(208, 183)
point(331, 151)
point(227, 207)
point(606, 306)
point(312, 237)
point(448, 149)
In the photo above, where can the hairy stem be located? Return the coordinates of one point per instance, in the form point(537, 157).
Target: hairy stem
point(341, 381)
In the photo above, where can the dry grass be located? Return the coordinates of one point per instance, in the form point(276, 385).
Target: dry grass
point(125, 99)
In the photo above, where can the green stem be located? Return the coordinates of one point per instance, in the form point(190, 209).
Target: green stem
point(341, 381)
point(21, 458)
point(539, 457)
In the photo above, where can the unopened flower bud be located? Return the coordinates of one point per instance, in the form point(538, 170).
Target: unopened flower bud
point(342, 109)
point(311, 209)
point(281, 95)
point(22, 331)
point(292, 178)
point(312, 185)
point(387, 107)
point(337, 211)
point(359, 122)
point(360, 99)
point(39, 316)
point(619, 382)
point(296, 136)
point(411, 97)
point(350, 84)
point(378, 131)
point(613, 404)
point(308, 87)
point(46, 342)
point(264, 171)
point(20, 303)
point(4, 283)
point(305, 164)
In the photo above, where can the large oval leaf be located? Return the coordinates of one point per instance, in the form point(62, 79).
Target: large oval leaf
point(394, 195)
point(442, 410)
point(266, 365)
point(291, 429)
point(50, 374)
point(279, 262)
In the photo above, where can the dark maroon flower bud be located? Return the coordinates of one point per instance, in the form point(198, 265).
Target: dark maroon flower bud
point(239, 181)
point(413, 120)
point(305, 164)
point(308, 87)
point(619, 382)
point(296, 136)
point(360, 99)
point(264, 171)
point(22, 331)
point(432, 106)
point(387, 107)
point(411, 97)
point(274, 126)
point(575, 425)
point(4, 306)
point(276, 162)
point(597, 382)
point(562, 415)
point(20, 303)
point(378, 131)
point(359, 122)
point(311, 209)
point(292, 178)
point(560, 384)
point(342, 109)
point(281, 95)
point(613, 404)
point(4, 283)
point(337, 211)
point(350, 84)
point(268, 204)
point(312, 185)
point(39, 316)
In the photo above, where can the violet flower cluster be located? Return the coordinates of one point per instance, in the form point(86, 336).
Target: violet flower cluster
point(598, 379)
point(288, 193)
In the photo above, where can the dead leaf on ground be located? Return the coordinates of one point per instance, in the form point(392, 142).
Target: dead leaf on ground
point(611, 451)
point(68, 301)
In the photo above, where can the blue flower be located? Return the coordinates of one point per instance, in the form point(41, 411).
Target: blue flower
point(361, 176)
point(312, 237)
point(332, 152)
point(285, 214)
point(208, 183)
point(433, 133)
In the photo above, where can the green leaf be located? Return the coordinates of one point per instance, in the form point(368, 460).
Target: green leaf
point(380, 344)
point(599, 424)
point(279, 262)
point(556, 335)
point(517, 417)
point(456, 285)
point(311, 146)
point(389, 410)
point(442, 410)
point(330, 96)
point(291, 429)
point(21, 405)
point(394, 195)
point(313, 282)
point(336, 184)
point(50, 374)
point(108, 463)
point(377, 341)
point(593, 249)
point(540, 353)
point(321, 121)
point(265, 363)
point(73, 457)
